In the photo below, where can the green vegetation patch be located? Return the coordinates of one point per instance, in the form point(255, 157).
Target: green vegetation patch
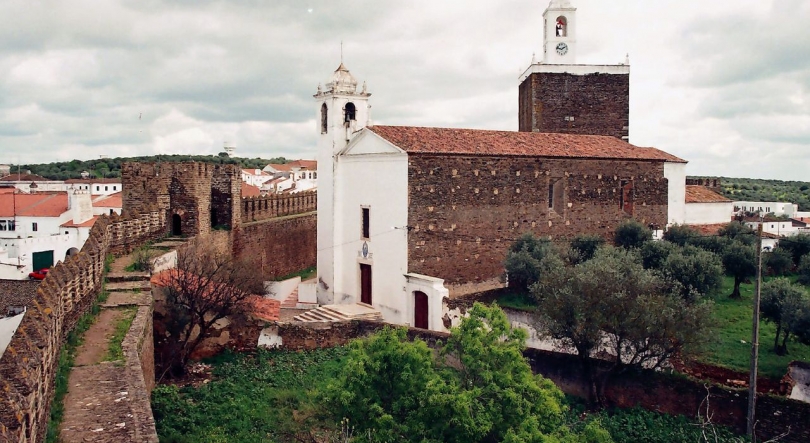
point(252, 398)
point(305, 274)
point(732, 348)
point(115, 351)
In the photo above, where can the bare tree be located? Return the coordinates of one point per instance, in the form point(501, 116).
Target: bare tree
point(206, 285)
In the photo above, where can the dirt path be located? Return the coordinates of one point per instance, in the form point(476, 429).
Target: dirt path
point(97, 338)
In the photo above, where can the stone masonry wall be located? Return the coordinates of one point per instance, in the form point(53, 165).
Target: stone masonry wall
point(278, 246)
point(273, 206)
point(27, 368)
point(598, 103)
point(465, 211)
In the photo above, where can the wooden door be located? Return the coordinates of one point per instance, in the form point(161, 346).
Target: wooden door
point(365, 283)
point(420, 310)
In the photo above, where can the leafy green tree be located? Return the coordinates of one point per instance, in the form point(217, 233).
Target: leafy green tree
point(777, 261)
point(739, 232)
point(523, 261)
point(396, 390)
point(654, 253)
point(798, 246)
point(786, 305)
point(712, 243)
point(696, 271)
point(740, 262)
point(612, 303)
point(631, 234)
point(804, 270)
point(585, 246)
point(681, 235)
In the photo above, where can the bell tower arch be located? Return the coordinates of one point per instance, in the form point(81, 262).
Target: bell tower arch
point(559, 37)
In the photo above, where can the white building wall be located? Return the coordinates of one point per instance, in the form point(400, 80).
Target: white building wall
point(379, 182)
point(777, 208)
point(675, 173)
point(707, 213)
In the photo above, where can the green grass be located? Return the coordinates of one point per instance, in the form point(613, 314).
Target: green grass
point(115, 350)
point(517, 300)
point(252, 398)
point(733, 329)
point(305, 274)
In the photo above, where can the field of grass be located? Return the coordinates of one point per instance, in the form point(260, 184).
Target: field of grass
point(269, 397)
point(733, 327)
point(252, 398)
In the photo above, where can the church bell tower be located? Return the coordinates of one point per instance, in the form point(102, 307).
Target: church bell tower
point(560, 30)
point(561, 96)
point(341, 111)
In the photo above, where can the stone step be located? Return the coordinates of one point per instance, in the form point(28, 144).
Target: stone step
point(292, 300)
point(127, 276)
point(135, 286)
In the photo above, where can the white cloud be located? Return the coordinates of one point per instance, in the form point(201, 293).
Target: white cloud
point(723, 84)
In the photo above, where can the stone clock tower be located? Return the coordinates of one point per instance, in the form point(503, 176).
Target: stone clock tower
point(559, 95)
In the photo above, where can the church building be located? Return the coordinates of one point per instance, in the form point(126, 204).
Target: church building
point(408, 216)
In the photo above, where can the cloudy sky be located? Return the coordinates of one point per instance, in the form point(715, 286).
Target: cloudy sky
point(724, 84)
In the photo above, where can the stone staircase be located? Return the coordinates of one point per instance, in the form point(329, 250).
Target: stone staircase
point(291, 301)
point(335, 313)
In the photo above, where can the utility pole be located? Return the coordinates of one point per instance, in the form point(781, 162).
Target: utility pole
point(752, 383)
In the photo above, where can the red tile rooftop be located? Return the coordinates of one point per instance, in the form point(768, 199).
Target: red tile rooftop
point(86, 224)
point(41, 204)
point(109, 201)
point(702, 194)
point(421, 140)
point(250, 190)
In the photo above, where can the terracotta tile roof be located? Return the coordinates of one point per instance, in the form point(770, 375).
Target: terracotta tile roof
point(254, 172)
point(278, 167)
point(250, 190)
point(109, 201)
point(420, 140)
point(264, 308)
point(44, 204)
point(711, 229)
point(702, 194)
point(25, 178)
point(305, 164)
point(86, 224)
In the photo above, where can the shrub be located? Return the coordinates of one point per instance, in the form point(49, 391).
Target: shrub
point(631, 234)
point(585, 246)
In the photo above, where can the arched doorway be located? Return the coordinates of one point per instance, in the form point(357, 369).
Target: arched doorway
point(177, 225)
point(71, 252)
point(420, 310)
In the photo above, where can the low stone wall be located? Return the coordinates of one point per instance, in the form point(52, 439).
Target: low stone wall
point(139, 356)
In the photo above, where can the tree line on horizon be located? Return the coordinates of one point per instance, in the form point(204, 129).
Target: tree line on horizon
point(754, 189)
point(111, 167)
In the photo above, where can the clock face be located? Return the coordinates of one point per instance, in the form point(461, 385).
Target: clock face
point(562, 48)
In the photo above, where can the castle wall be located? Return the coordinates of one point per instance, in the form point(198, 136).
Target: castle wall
point(28, 366)
point(599, 103)
point(278, 246)
point(465, 211)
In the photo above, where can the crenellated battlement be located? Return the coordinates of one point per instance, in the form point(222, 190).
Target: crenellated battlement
point(278, 205)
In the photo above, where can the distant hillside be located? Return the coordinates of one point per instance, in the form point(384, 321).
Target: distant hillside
point(752, 189)
point(111, 167)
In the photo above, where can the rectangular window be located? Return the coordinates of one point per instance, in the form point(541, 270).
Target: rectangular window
point(366, 223)
point(556, 196)
point(33, 226)
point(626, 197)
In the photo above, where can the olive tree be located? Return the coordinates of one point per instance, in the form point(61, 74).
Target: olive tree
point(631, 234)
point(611, 303)
point(739, 260)
point(785, 305)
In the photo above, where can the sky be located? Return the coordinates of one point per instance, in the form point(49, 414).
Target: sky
point(724, 84)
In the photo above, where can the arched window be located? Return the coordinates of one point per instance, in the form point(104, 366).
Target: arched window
point(324, 112)
point(350, 113)
point(562, 26)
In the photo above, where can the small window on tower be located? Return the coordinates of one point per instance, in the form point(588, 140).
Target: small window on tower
point(351, 112)
point(556, 196)
point(562, 26)
point(366, 223)
point(324, 112)
point(626, 197)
